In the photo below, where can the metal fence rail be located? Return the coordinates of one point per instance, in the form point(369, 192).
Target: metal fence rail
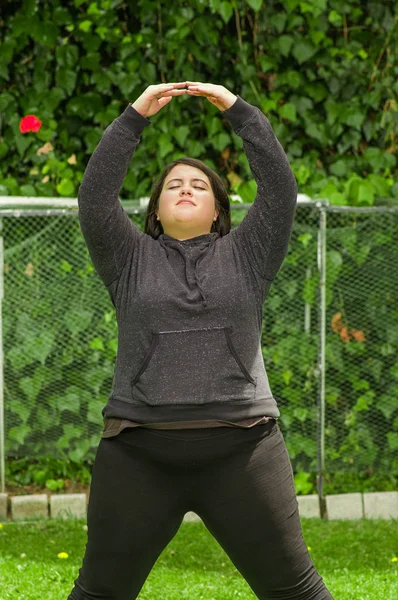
point(329, 339)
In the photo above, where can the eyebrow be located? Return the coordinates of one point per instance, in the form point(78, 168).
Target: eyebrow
point(193, 179)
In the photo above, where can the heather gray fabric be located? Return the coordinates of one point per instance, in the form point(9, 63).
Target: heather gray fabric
point(189, 312)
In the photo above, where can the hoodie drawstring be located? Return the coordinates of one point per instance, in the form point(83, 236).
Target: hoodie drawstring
point(166, 242)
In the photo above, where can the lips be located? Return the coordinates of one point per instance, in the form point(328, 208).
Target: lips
point(186, 200)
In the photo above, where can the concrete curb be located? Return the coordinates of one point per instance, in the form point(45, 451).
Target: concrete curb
point(372, 505)
point(344, 506)
point(309, 506)
point(380, 505)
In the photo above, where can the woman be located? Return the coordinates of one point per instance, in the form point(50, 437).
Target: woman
point(191, 422)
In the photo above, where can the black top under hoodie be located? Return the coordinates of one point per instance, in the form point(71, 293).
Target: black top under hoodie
point(189, 312)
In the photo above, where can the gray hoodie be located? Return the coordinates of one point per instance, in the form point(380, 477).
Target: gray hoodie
point(189, 312)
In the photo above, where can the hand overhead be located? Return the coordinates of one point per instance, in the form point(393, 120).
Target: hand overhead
point(156, 97)
point(216, 94)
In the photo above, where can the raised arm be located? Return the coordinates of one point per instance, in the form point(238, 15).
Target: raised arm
point(264, 233)
point(108, 232)
point(106, 227)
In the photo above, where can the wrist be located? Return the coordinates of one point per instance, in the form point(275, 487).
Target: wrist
point(132, 106)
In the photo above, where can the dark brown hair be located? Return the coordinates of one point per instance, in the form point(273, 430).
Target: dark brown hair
point(222, 224)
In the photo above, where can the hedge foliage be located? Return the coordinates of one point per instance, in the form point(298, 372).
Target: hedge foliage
point(324, 72)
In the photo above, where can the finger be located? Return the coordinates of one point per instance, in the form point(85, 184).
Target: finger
point(173, 92)
point(162, 86)
point(203, 87)
point(199, 92)
point(166, 86)
point(200, 84)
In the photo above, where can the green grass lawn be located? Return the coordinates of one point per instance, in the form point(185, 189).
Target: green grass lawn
point(357, 560)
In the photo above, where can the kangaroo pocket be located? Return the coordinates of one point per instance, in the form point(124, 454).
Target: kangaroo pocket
point(193, 366)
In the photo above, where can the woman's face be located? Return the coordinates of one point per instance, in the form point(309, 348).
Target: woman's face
point(195, 216)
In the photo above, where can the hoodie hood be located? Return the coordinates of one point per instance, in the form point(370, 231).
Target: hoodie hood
point(185, 257)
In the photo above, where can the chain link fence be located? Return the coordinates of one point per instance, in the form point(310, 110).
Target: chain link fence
point(329, 337)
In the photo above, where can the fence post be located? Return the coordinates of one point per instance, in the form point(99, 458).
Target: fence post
point(2, 428)
point(321, 358)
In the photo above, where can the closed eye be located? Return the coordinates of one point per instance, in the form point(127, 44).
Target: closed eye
point(197, 187)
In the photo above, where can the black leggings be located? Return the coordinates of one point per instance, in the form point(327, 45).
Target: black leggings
point(239, 481)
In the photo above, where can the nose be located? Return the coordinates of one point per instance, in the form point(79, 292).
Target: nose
point(185, 189)
point(185, 192)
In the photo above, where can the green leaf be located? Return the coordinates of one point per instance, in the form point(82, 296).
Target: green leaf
point(394, 371)
point(66, 188)
point(44, 418)
point(335, 18)
point(226, 10)
point(317, 131)
point(392, 440)
point(301, 413)
point(39, 348)
point(66, 79)
point(66, 267)
point(364, 401)
point(31, 386)
point(297, 443)
point(334, 260)
point(93, 9)
point(4, 148)
point(94, 414)
point(305, 239)
point(70, 432)
point(359, 191)
point(254, 4)
point(96, 376)
point(288, 111)
point(181, 133)
point(302, 483)
point(165, 145)
point(28, 190)
point(19, 408)
point(97, 344)
point(387, 405)
point(309, 292)
point(20, 432)
point(23, 141)
point(18, 358)
point(43, 32)
point(85, 25)
point(247, 190)
point(70, 400)
point(221, 141)
point(184, 32)
point(92, 62)
point(78, 320)
point(285, 43)
point(67, 56)
point(80, 452)
point(303, 50)
point(194, 148)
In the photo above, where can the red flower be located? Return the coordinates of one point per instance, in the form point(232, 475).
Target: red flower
point(29, 123)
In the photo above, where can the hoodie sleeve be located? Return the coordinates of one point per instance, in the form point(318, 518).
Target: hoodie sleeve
point(107, 230)
point(263, 234)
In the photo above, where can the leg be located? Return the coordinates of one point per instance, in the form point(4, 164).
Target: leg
point(133, 513)
point(248, 502)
